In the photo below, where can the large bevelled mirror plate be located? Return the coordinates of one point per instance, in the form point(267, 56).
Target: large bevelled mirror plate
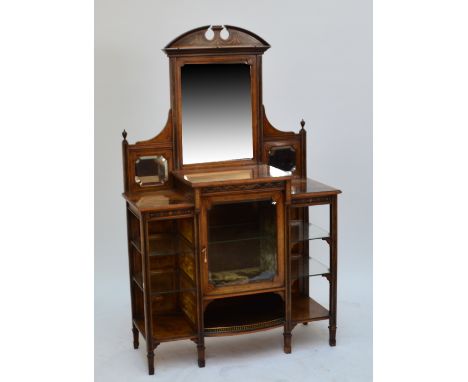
point(151, 170)
point(216, 112)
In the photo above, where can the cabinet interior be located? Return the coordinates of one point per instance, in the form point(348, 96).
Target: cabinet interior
point(242, 242)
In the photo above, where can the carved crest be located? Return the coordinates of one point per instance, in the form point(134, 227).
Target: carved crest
point(196, 41)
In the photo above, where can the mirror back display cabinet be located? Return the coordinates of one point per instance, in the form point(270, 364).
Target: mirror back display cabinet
point(218, 203)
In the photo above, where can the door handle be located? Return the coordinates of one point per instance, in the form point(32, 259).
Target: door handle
point(205, 258)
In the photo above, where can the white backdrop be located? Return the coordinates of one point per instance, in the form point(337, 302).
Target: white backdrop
point(319, 68)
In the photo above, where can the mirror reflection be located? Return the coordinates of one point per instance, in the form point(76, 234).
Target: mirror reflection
point(151, 170)
point(216, 112)
point(283, 157)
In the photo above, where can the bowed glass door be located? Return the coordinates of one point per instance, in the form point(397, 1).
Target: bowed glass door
point(242, 244)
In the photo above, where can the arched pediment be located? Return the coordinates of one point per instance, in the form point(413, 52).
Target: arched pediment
point(195, 41)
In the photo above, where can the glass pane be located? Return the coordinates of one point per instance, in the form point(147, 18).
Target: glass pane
point(165, 245)
point(261, 171)
point(283, 158)
point(307, 267)
point(242, 242)
point(216, 112)
point(303, 232)
point(168, 282)
point(151, 170)
point(219, 176)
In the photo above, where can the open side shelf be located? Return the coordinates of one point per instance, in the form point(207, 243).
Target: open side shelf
point(168, 327)
point(307, 267)
point(243, 314)
point(158, 289)
point(305, 309)
point(165, 245)
point(304, 232)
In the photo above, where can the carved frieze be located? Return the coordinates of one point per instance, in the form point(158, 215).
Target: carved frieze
point(243, 187)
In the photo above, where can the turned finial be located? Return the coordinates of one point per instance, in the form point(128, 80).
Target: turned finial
point(302, 124)
point(124, 135)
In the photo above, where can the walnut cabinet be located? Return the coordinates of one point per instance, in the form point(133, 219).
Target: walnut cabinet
point(218, 206)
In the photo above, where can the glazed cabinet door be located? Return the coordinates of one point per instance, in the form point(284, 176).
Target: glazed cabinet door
point(242, 242)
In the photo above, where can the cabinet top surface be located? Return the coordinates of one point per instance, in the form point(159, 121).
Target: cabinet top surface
point(231, 175)
point(158, 200)
point(172, 199)
point(302, 188)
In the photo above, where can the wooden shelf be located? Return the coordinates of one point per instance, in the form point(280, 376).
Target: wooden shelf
point(243, 314)
point(168, 327)
point(172, 327)
point(306, 188)
point(306, 309)
point(158, 200)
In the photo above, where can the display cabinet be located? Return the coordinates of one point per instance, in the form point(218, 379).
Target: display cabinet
point(218, 206)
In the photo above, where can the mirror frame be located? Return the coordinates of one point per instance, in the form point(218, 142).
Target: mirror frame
point(241, 47)
point(253, 98)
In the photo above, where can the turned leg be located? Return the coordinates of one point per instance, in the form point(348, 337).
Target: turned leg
point(287, 342)
point(150, 356)
point(135, 337)
point(201, 353)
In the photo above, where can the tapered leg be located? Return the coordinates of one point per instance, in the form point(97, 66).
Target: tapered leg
point(135, 337)
point(150, 356)
point(332, 338)
point(287, 342)
point(201, 353)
